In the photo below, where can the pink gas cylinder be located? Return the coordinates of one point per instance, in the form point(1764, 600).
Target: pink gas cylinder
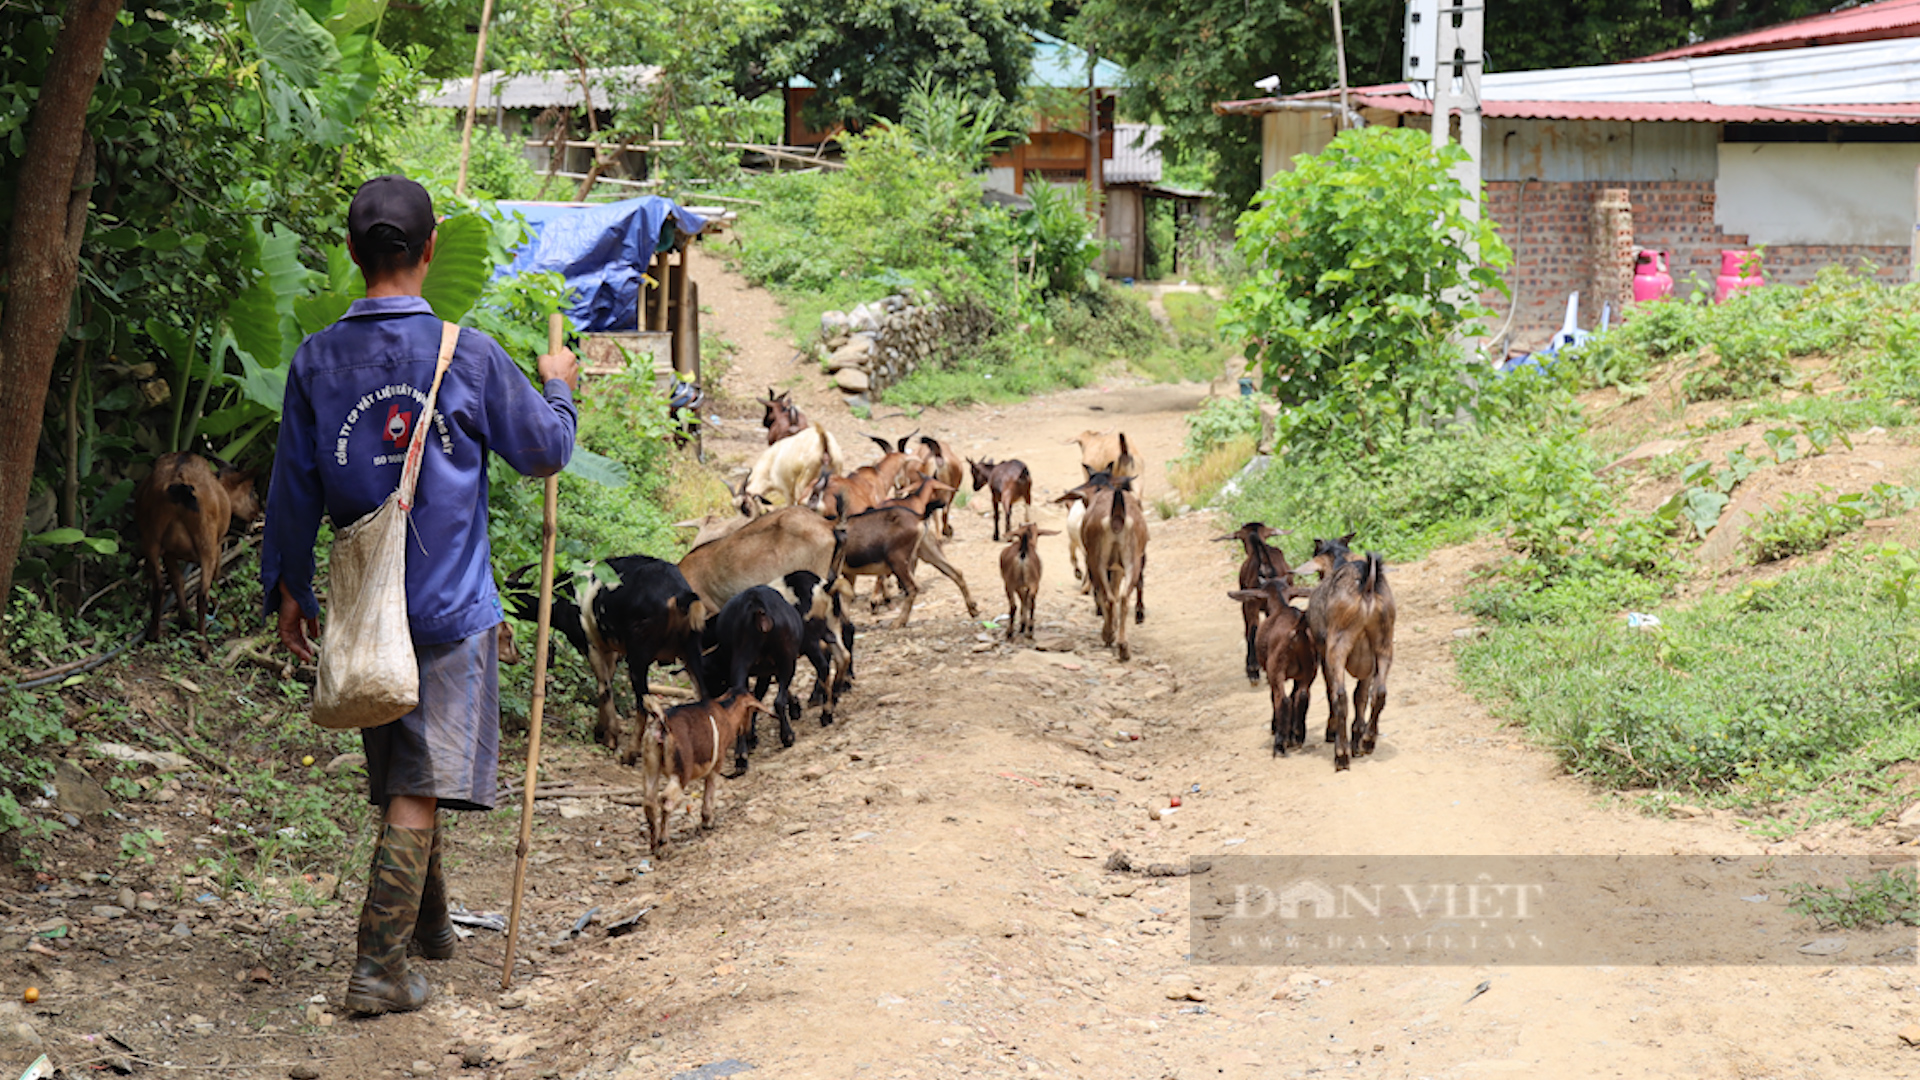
point(1736, 275)
point(1651, 279)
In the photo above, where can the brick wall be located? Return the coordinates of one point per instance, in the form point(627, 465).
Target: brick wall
point(1552, 229)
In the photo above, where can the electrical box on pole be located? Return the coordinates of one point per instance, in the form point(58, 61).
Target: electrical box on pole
point(1422, 40)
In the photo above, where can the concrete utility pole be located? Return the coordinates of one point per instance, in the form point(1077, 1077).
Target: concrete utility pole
point(1456, 85)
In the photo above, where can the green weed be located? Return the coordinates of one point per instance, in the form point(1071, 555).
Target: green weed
point(1889, 896)
point(1743, 694)
point(1802, 523)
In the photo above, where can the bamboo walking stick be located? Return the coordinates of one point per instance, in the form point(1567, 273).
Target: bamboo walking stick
point(556, 327)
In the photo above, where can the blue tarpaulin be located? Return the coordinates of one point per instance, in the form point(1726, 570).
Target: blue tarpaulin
point(602, 250)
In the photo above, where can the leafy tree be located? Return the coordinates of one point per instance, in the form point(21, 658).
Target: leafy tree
point(1360, 275)
point(47, 205)
point(864, 55)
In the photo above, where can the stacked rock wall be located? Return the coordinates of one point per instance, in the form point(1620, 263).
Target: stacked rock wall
point(876, 345)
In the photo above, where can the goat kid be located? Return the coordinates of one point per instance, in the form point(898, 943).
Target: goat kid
point(1351, 614)
point(1020, 571)
point(1261, 564)
point(1287, 654)
point(783, 417)
point(182, 510)
point(1010, 482)
point(936, 460)
point(684, 745)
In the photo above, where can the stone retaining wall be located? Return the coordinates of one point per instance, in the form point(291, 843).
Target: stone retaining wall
point(876, 345)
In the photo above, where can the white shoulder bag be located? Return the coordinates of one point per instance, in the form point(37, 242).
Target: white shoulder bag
point(368, 674)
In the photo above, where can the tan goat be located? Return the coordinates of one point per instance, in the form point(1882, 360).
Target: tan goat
point(1020, 571)
point(685, 744)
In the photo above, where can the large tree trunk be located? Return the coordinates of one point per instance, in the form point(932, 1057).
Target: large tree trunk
point(43, 254)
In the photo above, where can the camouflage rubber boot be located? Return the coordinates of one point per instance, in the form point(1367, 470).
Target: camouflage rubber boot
point(433, 934)
point(381, 981)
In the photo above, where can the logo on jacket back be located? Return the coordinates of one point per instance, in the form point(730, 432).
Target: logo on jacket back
point(399, 426)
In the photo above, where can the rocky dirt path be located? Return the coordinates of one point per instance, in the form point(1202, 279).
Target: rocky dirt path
point(921, 891)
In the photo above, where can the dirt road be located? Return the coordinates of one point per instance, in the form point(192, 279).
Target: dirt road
point(921, 891)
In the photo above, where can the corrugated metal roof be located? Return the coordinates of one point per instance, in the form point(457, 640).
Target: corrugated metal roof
point(1063, 65)
point(1866, 72)
point(1664, 111)
point(1867, 82)
point(1057, 64)
point(546, 89)
point(1866, 22)
point(1136, 155)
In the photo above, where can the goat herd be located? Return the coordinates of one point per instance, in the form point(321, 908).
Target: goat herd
point(765, 588)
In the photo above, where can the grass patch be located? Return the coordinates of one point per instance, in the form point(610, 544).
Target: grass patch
point(996, 373)
point(1776, 697)
point(1199, 479)
point(1888, 896)
point(1441, 490)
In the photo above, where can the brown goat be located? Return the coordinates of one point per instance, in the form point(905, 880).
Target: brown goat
point(864, 488)
point(685, 744)
point(892, 540)
point(1351, 614)
point(928, 497)
point(1103, 452)
point(1261, 564)
point(1115, 537)
point(182, 510)
point(1020, 571)
point(768, 547)
point(1286, 655)
point(783, 417)
point(890, 471)
point(937, 461)
point(1010, 482)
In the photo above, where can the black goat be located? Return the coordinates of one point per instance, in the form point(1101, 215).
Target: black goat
point(757, 636)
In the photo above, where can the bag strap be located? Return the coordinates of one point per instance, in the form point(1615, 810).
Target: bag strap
point(416, 446)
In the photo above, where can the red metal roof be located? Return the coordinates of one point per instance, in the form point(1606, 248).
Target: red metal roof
point(1393, 98)
point(1868, 22)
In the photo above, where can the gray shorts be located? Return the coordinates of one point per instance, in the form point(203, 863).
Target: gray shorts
point(448, 748)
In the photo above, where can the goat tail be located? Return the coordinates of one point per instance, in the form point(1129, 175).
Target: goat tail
point(182, 495)
point(1373, 571)
point(1118, 518)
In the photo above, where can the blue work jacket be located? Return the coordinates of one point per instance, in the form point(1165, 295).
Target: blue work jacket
point(354, 397)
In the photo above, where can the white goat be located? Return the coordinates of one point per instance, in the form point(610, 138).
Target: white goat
point(792, 465)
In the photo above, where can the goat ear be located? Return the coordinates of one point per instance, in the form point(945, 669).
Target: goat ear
point(1047, 532)
point(1267, 532)
point(1347, 539)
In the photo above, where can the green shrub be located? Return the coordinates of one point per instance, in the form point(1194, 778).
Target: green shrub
point(1221, 420)
point(1804, 522)
point(1359, 276)
point(1110, 322)
point(1438, 488)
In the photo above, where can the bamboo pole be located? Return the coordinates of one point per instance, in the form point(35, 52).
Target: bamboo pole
point(556, 328)
point(473, 97)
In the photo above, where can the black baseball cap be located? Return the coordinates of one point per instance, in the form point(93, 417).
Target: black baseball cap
point(400, 204)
